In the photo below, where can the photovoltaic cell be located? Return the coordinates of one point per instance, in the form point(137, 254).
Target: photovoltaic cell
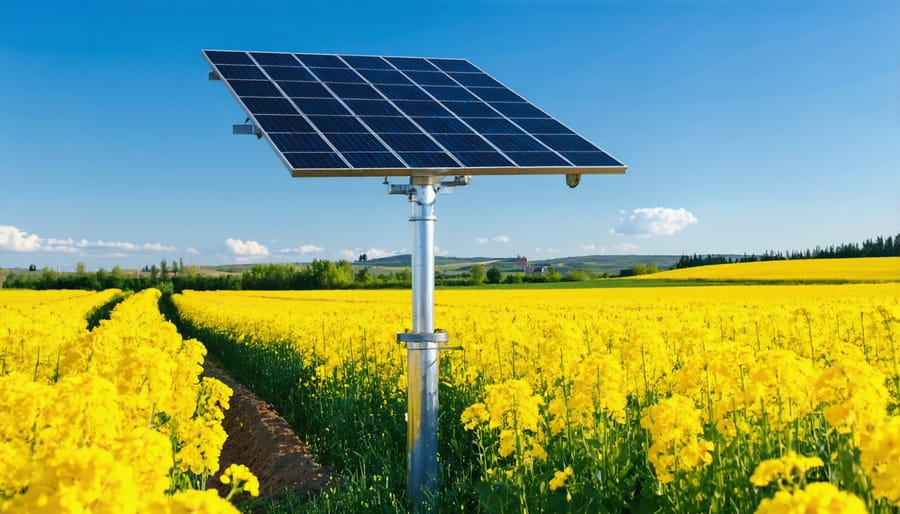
point(370, 115)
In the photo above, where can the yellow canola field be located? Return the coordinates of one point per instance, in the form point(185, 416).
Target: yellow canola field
point(864, 269)
point(113, 420)
point(715, 380)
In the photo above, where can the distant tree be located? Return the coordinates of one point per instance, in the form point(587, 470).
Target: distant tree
point(494, 275)
point(644, 269)
point(362, 277)
point(175, 268)
point(476, 274)
point(164, 270)
point(513, 278)
point(154, 274)
point(80, 268)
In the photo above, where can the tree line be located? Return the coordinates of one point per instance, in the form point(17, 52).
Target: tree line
point(879, 247)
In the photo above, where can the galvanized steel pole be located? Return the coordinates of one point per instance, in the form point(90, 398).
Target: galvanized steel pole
point(422, 358)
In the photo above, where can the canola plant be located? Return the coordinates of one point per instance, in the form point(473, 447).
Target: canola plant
point(677, 399)
point(111, 420)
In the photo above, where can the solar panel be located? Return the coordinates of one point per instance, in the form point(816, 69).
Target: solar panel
point(359, 115)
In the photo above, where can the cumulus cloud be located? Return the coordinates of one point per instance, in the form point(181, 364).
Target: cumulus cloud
point(500, 239)
point(653, 221)
point(588, 247)
point(303, 250)
point(191, 251)
point(482, 240)
point(441, 252)
point(246, 249)
point(13, 239)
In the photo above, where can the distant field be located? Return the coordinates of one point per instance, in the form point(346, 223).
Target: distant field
point(867, 269)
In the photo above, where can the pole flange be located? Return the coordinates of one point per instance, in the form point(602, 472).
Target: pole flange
point(436, 340)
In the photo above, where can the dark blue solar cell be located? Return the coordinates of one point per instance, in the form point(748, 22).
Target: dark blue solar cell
point(304, 89)
point(482, 159)
point(330, 75)
point(309, 160)
point(271, 123)
point(384, 77)
point(411, 64)
point(382, 124)
point(568, 143)
point(443, 125)
point(288, 73)
point(492, 126)
point(367, 62)
point(356, 143)
point(452, 93)
point(300, 142)
point(428, 160)
point(314, 160)
point(320, 106)
point(271, 59)
point(229, 71)
point(403, 92)
point(410, 142)
point(373, 160)
point(536, 159)
point(599, 158)
point(496, 94)
point(455, 65)
point(476, 80)
point(254, 88)
point(542, 126)
point(372, 108)
point(463, 143)
point(519, 110)
point(354, 91)
point(422, 108)
point(332, 124)
point(269, 106)
point(521, 143)
point(321, 61)
point(430, 78)
point(218, 57)
point(472, 109)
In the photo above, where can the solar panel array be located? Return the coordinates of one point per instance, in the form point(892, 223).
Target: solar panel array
point(349, 115)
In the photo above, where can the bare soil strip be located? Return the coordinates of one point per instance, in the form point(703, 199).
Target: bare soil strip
point(263, 441)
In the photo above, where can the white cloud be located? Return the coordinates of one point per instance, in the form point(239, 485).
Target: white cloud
point(624, 248)
point(653, 221)
point(248, 249)
point(15, 240)
point(588, 248)
point(158, 247)
point(371, 253)
point(191, 251)
point(303, 249)
point(442, 253)
point(497, 239)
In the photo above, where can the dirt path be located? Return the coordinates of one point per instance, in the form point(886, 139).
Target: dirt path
point(262, 440)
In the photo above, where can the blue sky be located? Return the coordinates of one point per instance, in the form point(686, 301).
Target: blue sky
point(746, 126)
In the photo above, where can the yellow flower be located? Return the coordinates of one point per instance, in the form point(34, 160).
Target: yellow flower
point(816, 498)
point(242, 479)
point(880, 459)
point(783, 469)
point(561, 477)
